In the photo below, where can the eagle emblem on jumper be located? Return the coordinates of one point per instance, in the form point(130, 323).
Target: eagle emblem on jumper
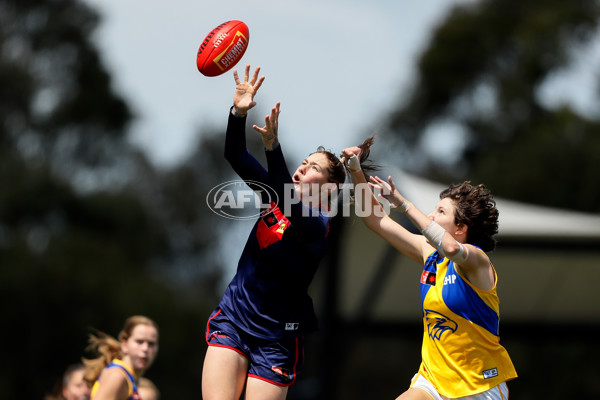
point(438, 324)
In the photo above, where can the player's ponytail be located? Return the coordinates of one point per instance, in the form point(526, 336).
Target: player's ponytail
point(367, 165)
point(106, 348)
point(338, 172)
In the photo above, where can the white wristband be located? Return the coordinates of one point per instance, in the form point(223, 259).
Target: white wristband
point(404, 207)
point(435, 234)
point(354, 163)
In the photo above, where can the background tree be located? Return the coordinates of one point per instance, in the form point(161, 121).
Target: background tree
point(91, 232)
point(89, 229)
point(479, 81)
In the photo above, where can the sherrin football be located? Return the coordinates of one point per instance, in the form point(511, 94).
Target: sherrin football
point(222, 48)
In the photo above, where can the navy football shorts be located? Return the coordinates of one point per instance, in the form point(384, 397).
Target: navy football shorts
point(274, 361)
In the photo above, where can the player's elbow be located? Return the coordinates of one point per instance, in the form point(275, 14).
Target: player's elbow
point(451, 248)
point(457, 252)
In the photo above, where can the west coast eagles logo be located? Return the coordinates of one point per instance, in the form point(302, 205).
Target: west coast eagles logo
point(438, 323)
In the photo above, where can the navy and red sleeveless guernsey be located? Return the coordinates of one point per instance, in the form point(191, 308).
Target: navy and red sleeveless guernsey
point(268, 296)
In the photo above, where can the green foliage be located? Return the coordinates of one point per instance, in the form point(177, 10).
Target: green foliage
point(90, 232)
point(482, 72)
point(550, 160)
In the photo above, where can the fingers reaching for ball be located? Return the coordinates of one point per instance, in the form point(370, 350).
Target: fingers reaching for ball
point(269, 132)
point(243, 97)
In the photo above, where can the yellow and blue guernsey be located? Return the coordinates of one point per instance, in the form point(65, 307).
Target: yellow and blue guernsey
point(132, 393)
point(461, 353)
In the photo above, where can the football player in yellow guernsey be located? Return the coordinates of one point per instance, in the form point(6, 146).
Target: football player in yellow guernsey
point(121, 362)
point(461, 353)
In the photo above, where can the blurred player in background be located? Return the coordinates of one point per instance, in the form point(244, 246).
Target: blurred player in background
point(71, 386)
point(120, 363)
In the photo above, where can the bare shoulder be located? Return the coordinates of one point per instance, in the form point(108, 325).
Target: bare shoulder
point(478, 269)
point(113, 384)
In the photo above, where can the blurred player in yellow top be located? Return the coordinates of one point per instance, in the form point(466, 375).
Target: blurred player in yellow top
point(461, 352)
point(116, 371)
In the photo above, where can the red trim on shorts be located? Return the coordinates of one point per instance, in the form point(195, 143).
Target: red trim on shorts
point(220, 345)
point(230, 348)
point(270, 381)
point(294, 369)
point(208, 324)
point(246, 356)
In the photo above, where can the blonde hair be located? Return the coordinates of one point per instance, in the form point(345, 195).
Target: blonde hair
point(109, 348)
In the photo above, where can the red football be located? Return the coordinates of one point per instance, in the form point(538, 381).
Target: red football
point(222, 48)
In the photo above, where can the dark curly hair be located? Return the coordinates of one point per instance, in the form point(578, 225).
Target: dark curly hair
point(476, 208)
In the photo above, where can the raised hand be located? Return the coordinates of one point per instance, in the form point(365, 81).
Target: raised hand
point(269, 131)
point(387, 190)
point(243, 98)
point(351, 151)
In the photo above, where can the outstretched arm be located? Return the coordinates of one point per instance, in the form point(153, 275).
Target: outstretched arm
point(472, 261)
point(411, 245)
point(242, 162)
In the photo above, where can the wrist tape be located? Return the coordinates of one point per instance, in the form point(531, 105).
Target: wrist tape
point(404, 207)
point(354, 163)
point(435, 234)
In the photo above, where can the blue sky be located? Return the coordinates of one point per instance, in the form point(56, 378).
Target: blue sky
point(336, 66)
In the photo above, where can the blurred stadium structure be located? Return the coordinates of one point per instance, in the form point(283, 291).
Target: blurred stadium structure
point(367, 297)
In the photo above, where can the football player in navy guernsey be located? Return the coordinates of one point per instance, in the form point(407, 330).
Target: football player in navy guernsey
point(461, 352)
point(255, 335)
